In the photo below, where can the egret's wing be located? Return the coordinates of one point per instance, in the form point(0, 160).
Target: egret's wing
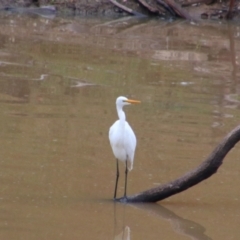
point(130, 144)
point(111, 132)
point(116, 137)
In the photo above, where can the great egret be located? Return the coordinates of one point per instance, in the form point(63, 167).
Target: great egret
point(123, 140)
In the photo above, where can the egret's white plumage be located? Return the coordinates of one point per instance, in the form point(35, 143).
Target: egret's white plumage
point(122, 139)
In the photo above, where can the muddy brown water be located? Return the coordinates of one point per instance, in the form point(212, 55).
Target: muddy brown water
point(59, 81)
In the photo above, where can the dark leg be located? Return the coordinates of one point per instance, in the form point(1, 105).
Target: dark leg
point(116, 184)
point(126, 173)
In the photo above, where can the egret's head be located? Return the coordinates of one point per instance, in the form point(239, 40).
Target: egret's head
point(122, 101)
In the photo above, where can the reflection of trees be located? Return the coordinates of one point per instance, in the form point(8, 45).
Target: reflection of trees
point(230, 92)
point(232, 85)
point(14, 91)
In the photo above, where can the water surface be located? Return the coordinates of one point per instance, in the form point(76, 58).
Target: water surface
point(59, 81)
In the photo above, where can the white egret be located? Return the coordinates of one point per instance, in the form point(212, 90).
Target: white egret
point(123, 140)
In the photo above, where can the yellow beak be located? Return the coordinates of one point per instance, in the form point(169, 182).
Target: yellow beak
point(132, 101)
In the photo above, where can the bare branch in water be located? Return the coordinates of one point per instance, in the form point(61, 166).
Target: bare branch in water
point(205, 170)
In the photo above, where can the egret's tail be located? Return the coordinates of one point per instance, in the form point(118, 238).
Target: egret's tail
point(129, 165)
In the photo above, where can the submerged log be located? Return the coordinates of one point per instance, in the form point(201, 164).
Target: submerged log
point(205, 170)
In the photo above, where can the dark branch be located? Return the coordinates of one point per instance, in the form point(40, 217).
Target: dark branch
point(127, 9)
point(169, 8)
point(202, 172)
point(178, 10)
point(149, 7)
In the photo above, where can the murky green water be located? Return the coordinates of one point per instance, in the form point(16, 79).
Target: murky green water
point(59, 81)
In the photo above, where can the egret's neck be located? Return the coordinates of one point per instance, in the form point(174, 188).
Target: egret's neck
point(121, 114)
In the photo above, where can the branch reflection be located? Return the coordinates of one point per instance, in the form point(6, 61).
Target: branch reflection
point(180, 225)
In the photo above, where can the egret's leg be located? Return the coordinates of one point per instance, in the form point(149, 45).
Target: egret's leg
point(116, 184)
point(126, 173)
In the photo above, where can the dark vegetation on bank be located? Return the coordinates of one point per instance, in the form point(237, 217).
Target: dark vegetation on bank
point(187, 9)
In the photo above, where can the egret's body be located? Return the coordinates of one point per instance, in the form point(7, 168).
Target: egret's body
point(123, 140)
